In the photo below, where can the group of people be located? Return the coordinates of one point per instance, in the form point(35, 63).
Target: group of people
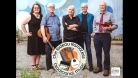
point(77, 28)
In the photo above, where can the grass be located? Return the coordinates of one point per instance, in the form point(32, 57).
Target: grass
point(48, 77)
point(30, 73)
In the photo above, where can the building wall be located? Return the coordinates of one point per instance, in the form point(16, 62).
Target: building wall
point(23, 8)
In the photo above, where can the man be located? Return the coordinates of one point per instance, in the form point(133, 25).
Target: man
point(86, 20)
point(102, 37)
point(53, 23)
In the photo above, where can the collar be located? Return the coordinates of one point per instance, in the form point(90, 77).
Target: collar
point(104, 12)
point(86, 14)
point(69, 17)
point(50, 14)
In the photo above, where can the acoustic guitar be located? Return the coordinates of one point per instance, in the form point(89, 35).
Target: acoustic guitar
point(47, 35)
point(73, 57)
point(70, 56)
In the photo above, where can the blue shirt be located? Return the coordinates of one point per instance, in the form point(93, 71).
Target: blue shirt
point(90, 18)
point(107, 17)
point(53, 24)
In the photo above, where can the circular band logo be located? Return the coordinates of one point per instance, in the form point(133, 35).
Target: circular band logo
point(68, 58)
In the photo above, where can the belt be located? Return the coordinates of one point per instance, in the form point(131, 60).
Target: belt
point(102, 33)
point(84, 32)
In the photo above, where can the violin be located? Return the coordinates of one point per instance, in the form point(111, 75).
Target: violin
point(47, 35)
point(71, 55)
point(107, 24)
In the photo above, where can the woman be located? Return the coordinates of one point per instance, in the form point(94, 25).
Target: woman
point(35, 46)
point(71, 25)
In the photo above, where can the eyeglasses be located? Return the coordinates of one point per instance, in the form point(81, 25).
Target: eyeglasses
point(51, 7)
point(83, 7)
point(36, 8)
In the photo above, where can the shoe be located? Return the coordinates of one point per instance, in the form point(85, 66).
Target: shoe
point(51, 70)
point(97, 70)
point(106, 73)
point(90, 68)
point(37, 66)
point(34, 67)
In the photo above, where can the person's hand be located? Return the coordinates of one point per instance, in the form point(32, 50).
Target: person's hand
point(61, 35)
point(74, 29)
point(45, 40)
point(66, 23)
point(92, 35)
point(29, 34)
point(108, 28)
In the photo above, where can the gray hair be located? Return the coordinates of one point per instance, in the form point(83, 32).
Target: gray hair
point(103, 2)
point(50, 4)
point(74, 10)
point(82, 4)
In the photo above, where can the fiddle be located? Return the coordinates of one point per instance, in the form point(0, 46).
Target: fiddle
point(107, 24)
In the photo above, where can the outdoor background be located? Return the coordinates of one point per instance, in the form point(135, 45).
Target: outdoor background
point(23, 8)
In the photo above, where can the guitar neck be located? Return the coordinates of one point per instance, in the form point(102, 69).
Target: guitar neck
point(50, 44)
point(71, 52)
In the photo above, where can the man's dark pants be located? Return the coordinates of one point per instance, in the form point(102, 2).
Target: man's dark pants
point(102, 41)
point(87, 39)
point(48, 51)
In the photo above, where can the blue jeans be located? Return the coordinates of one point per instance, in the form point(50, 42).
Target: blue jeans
point(86, 38)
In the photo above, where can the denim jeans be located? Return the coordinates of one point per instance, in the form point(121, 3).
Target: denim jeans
point(86, 38)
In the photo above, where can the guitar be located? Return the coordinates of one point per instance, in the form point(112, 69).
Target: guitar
point(74, 60)
point(47, 35)
point(64, 54)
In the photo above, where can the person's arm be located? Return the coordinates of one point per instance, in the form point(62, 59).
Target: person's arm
point(64, 23)
point(66, 26)
point(114, 24)
point(94, 27)
point(42, 25)
point(94, 24)
point(60, 31)
point(78, 25)
point(72, 27)
point(25, 21)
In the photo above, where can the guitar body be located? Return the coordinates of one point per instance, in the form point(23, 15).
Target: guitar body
point(46, 33)
point(74, 64)
point(65, 51)
point(68, 56)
